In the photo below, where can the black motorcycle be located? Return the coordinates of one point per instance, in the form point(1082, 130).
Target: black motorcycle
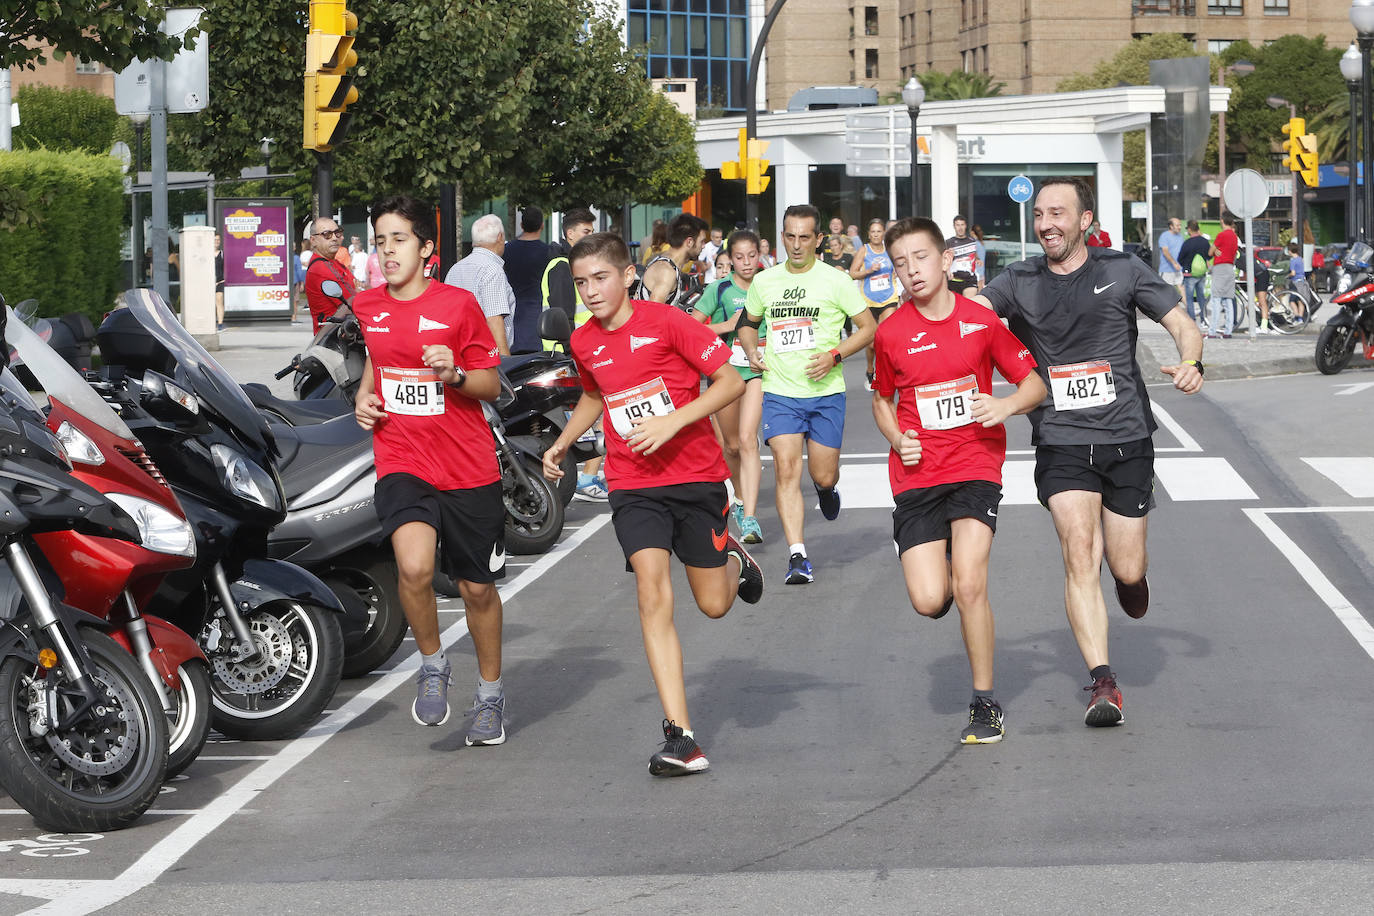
point(332, 366)
point(1354, 323)
point(270, 630)
point(83, 739)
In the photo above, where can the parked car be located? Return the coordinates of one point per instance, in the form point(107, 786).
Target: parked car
point(1323, 278)
point(1271, 254)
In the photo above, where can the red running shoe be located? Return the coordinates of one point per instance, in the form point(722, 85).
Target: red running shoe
point(680, 756)
point(1105, 707)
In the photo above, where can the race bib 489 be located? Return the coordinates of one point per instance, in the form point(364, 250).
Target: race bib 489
point(412, 392)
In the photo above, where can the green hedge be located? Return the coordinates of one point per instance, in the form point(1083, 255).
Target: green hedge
point(65, 119)
point(68, 256)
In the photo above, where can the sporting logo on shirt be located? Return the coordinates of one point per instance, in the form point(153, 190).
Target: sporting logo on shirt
point(383, 316)
point(917, 338)
point(597, 351)
point(637, 342)
point(1098, 290)
point(970, 327)
point(377, 330)
point(428, 325)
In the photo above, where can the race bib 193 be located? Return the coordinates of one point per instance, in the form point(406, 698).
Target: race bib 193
point(412, 392)
point(946, 405)
point(1079, 385)
point(741, 359)
point(650, 399)
point(790, 334)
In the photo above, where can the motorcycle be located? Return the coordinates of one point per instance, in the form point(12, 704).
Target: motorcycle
point(83, 741)
point(111, 578)
point(332, 365)
point(1354, 323)
point(270, 630)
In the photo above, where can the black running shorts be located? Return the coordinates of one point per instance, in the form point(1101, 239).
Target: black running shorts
point(471, 524)
point(1123, 472)
point(688, 519)
point(923, 515)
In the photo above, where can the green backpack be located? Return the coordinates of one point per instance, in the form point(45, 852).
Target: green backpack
point(1199, 266)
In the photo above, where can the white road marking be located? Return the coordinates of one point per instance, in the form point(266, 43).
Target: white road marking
point(1353, 475)
point(1166, 420)
point(1331, 596)
point(1354, 388)
point(1192, 479)
point(71, 897)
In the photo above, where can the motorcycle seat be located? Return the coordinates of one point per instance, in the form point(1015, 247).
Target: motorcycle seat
point(311, 454)
point(295, 413)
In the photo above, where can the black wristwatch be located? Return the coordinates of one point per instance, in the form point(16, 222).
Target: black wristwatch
point(1196, 364)
point(462, 376)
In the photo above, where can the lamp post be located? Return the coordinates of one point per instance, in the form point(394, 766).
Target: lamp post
point(913, 94)
point(1278, 101)
point(1241, 68)
point(1351, 70)
point(268, 144)
point(1362, 18)
point(136, 237)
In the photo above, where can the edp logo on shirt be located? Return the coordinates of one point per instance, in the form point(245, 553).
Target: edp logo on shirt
point(797, 292)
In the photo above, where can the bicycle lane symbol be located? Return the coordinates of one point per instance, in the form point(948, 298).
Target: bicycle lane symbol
point(51, 845)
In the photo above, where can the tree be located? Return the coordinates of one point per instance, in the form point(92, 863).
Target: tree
point(114, 34)
point(1301, 70)
point(958, 84)
point(66, 119)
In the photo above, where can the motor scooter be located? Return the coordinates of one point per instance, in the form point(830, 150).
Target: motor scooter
point(1353, 324)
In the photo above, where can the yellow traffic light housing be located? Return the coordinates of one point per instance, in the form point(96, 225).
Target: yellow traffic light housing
point(329, 90)
point(755, 182)
point(1307, 159)
point(1295, 128)
point(734, 171)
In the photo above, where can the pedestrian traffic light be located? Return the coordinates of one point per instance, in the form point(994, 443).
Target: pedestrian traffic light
point(1307, 157)
point(734, 171)
point(329, 89)
point(1295, 128)
point(755, 182)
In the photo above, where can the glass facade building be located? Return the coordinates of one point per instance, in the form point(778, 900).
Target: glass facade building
point(705, 40)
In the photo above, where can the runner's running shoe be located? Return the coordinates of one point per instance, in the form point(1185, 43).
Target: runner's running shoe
point(944, 608)
point(431, 694)
point(1135, 599)
point(984, 723)
point(488, 721)
point(750, 575)
point(799, 570)
point(750, 531)
point(592, 489)
point(680, 756)
point(737, 510)
point(830, 502)
point(1105, 706)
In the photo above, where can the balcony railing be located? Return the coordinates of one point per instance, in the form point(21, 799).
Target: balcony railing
point(1163, 7)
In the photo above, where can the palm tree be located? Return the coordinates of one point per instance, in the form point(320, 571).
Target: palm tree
point(1333, 130)
point(958, 84)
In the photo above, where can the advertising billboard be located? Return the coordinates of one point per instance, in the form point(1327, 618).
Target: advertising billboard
point(256, 238)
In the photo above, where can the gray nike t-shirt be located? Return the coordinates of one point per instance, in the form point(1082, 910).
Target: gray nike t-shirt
point(1084, 320)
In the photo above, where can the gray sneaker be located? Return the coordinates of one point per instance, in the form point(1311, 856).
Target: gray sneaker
point(488, 721)
point(431, 695)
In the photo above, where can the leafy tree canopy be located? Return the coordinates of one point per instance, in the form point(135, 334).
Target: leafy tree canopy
point(958, 84)
point(112, 33)
point(1297, 68)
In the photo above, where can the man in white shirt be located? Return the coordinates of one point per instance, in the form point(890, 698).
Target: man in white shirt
point(357, 260)
point(483, 273)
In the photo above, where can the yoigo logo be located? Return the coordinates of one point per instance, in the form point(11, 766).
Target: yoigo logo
point(51, 845)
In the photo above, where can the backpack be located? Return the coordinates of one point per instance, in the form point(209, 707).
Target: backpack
point(1199, 266)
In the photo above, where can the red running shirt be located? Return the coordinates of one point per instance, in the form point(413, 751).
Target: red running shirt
point(316, 272)
point(652, 364)
point(431, 430)
point(932, 367)
point(1226, 244)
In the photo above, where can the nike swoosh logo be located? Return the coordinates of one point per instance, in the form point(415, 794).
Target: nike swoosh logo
point(1102, 289)
point(718, 539)
point(991, 513)
point(1142, 505)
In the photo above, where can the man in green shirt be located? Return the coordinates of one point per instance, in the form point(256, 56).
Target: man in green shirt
point(805, 304)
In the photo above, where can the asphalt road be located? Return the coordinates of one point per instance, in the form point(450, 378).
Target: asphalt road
point(1238, 783)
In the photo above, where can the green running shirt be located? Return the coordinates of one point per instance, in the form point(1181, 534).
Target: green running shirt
point(805, 314)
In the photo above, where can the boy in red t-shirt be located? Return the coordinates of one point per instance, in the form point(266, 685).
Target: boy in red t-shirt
point(431, 361)
point(643, 362)
point(936, 354)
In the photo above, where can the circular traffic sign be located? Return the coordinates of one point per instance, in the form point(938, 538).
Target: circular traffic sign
point(1246, 194)
point(1020, 189)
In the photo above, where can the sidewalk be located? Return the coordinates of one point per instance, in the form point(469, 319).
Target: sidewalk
point(254, 351)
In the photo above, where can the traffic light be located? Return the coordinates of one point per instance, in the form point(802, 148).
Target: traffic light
point(1295, 128)
point(329, 89)
point(734, 171)
point(1307, 157)
point(755, 165)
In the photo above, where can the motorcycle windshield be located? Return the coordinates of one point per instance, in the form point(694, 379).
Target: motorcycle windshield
point(212, 385)
point(1359, 255)
point(59, 380)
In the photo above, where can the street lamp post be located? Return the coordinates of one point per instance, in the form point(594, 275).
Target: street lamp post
point(1362, 18)
point(1351, 70)
point(913, 94)
point(1240, 67)
point(268, 144)
point(136, 231)
point(1278, 101)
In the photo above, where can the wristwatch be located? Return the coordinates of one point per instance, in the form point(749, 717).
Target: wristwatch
point(462, 376)
point(835, 355)
point(1196, 364)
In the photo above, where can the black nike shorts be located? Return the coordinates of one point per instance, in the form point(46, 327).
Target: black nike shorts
point(1123, 472)
point(471, 524)
point(923, 515)
point(688, 519)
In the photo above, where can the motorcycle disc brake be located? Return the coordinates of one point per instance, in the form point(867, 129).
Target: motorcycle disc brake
point(265, 670)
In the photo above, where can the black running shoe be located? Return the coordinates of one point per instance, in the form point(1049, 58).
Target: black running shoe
point(830, 502)
point(984, 723)
point(750, 575)
point(944, 608)
point(1135, 599)
point(680, 756)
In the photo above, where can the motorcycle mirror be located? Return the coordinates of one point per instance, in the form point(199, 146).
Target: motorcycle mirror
point(554, 325)
point(332, 289)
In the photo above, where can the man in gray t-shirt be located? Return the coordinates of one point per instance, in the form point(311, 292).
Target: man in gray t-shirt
point(1075, 308)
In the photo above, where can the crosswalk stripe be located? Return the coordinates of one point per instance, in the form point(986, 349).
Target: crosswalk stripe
point(1353, 475)
point(1192, 479)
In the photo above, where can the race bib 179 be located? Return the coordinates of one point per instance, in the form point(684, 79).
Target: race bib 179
point(946, 405)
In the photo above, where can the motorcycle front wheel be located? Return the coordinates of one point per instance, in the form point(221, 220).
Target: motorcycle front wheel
point(534, 513)
point(190, 728)
point(1335, 347)
point(102, 772)
point(281, 690)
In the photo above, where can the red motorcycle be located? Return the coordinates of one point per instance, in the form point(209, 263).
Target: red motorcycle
point(112, 578)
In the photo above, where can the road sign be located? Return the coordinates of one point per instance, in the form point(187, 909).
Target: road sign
point(187, 75)
point(1019, 189)
point(1246, 193)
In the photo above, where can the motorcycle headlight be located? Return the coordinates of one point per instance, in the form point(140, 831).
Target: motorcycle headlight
point(1344, 282)
point(244, 478)
point(160, 530)
point(78, 445)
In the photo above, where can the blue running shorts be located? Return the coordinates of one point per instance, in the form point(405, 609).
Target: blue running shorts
point(819, 419)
